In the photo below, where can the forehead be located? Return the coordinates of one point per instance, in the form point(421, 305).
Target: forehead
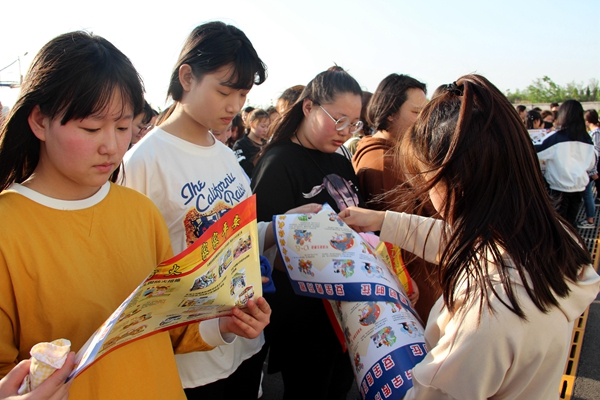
point(115, 109)
point(225, 76)
point(415, 97)
point(347, 104)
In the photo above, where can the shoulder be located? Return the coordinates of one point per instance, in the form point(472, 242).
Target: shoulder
point(146, 149)
point(9, 202)
point(242, 143)
point(552, 139)
point(283, 153)
point(131, 199)
point(370, 149)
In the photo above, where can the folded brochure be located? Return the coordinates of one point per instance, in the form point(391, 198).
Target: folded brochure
point(219, 271)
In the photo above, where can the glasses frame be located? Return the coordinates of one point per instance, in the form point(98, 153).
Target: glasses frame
point(146, 128)
point(343, 122)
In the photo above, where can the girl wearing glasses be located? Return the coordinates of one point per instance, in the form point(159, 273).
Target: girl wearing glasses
point(300, 166)
point(142, 123)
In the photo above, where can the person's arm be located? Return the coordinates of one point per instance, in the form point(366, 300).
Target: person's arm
point(419, 235)
point(53, 388)
point(248, 322)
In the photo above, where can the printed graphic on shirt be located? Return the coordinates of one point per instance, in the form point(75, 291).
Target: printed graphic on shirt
point(208, 203)
point(340, 190)
point(239, 154)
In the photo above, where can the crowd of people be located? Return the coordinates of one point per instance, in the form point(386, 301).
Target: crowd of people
point(91, 201)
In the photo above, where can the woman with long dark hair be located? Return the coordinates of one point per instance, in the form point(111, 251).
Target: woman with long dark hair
point(514, 274)
point(566, 156)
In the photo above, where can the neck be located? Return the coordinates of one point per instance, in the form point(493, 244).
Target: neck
point(383, 135)
point(255, 139)
point(181, 125)
point(300, 137)
point(42, 183)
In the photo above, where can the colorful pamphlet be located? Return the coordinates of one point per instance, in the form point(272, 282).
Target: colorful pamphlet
point(325, 258)
point(219, 271)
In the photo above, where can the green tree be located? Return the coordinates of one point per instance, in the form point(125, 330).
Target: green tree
point(545, 90)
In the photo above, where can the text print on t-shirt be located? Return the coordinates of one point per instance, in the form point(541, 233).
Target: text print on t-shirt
point(210, 202)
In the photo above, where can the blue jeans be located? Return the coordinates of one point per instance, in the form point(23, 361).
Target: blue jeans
point(588, 201)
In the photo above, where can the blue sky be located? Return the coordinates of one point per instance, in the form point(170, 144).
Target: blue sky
point(510, 42)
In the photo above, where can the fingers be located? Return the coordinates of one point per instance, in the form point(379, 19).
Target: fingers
point(344, 213)
point(12, 381)
point(258, 309)
point(263, 305)
point(253, 319)
point(264, 279)
point(55, 388)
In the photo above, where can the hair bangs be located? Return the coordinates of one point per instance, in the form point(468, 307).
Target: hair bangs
point(247, 70)
point(87, 84)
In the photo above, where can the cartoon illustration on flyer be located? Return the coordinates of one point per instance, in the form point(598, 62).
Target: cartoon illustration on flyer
point(342, 241)
point(204, 281)
point(344, 267)
point(238, 282)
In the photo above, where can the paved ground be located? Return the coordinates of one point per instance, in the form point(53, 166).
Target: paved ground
point(587, 384)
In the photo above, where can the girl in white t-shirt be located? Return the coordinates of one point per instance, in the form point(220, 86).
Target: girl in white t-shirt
point(195, 179)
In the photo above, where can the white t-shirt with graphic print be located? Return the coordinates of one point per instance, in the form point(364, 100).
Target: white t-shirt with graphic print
point(192, 186)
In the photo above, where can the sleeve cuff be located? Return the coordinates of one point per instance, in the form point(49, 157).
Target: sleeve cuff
point(211, 334)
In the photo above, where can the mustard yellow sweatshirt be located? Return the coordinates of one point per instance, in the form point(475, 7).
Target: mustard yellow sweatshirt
point(65, 266)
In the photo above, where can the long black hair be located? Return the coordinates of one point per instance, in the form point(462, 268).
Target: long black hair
point(570, 117)
point(470, 143)
point(73, 76)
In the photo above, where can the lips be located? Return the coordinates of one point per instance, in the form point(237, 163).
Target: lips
point(105, 167)
point(226, 120)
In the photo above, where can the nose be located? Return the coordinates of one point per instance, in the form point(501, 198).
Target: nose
point(346, 131)
point(109, 144)
point(235, 104)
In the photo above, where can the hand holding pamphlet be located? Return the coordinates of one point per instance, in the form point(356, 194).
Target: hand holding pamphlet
point(325, 258)
point(220, 271)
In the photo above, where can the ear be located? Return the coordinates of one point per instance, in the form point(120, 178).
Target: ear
point(38, 123)
point(186, 77)
point(307, 106)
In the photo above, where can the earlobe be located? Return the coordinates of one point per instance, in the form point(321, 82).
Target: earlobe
point(185, 77)
point(38, 123)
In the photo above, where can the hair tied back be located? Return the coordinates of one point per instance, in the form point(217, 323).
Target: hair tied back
point(454, 88)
